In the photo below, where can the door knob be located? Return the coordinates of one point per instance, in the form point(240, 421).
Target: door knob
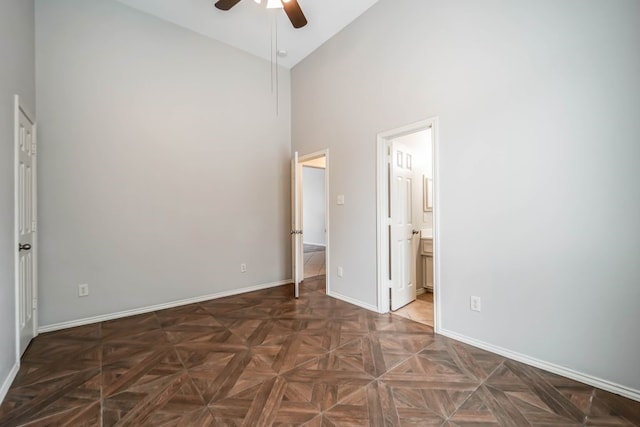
point(416, 232)
point(24, 247)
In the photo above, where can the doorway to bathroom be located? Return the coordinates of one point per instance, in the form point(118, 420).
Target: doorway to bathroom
point(407, 221)
point(314, 209)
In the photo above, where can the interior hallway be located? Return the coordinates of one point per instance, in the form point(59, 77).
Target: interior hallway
point(314, 261)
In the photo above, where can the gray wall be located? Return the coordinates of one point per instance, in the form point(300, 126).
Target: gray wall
point(163, 164)
point(17, 55)
point(313, 200)
point(539, 197)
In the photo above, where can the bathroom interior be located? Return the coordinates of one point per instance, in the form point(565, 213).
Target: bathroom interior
point(420, 148)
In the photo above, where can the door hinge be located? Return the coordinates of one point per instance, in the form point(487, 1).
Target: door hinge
point(33, 149)
point(33, 226)
point(34, 305)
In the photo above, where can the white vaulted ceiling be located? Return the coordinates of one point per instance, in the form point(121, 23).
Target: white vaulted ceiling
point(248, 26)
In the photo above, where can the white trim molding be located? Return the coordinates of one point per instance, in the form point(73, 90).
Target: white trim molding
point(327, 210)
point(382, 198)
point(157, 307)
point(9, 380)
point(353, 301)
point(546, 366)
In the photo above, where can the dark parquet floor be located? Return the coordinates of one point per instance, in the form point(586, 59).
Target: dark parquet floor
point(263, 359)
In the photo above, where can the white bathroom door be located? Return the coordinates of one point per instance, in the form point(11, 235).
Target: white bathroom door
point(296, 225)
point(25, 227)
point(403, 283)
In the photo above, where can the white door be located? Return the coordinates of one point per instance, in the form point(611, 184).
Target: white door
point(25, 224)
point(403, 283)
point(296, 225)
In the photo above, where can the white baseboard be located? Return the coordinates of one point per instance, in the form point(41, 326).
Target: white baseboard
point(546, 366)
point(9, 380)
point(164, 306)
point(420, 290)
point(353, 301)
point(315, 244)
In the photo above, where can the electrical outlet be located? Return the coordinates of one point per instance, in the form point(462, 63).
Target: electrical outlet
point(83, 290)
point(243, 268)
point(475, 304)
point(340, 272)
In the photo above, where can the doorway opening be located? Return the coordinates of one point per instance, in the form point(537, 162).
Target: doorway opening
point(408, 222)
point(314, 209)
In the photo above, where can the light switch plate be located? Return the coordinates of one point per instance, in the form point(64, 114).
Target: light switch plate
point(476, 304)
point(341, 199)
point(83, 290)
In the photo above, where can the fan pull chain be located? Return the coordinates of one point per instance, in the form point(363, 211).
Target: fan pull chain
point(277, 72)
point(272, 50)
point(274, 65)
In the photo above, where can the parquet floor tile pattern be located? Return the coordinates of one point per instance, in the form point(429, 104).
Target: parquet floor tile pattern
point(266, 359)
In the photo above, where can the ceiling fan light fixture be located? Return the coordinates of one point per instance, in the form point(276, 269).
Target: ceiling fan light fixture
point(291, 8)
point(274, 4)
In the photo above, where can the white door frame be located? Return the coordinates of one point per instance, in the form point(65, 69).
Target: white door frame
point(382, 241)
point(18, 108)
point(323, 153)
point(296, 225)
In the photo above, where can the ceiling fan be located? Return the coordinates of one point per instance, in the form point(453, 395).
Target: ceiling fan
point(291, 8)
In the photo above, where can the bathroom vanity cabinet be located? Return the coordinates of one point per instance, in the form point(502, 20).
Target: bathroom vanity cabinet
point(426, 251)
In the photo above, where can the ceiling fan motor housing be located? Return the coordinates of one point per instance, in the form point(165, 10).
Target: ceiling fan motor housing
point(291, 8)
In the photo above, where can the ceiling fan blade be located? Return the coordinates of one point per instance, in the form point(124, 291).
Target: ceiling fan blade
point(226, 4)
point(293, 11)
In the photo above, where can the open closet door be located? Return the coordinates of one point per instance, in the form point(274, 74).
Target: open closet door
point(296, 225)
point(25, 227)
